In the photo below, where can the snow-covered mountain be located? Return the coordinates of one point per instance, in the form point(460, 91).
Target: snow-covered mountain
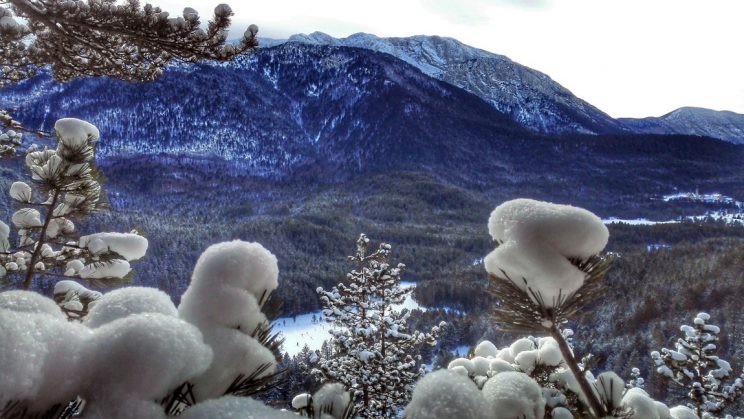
point(724, 125)
point(528, 96)
point(290, 108)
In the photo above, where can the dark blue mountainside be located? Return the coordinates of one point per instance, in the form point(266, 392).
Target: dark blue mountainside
point(283, 110)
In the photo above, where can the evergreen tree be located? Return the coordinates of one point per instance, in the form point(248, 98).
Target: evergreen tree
point(694, 366)
point(65, 188)
point(374, 355)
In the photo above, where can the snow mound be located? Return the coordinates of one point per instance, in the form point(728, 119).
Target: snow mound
point(235, 354)
point(682, 412)
point(26, 218)
point(536, 241)
point(514, 395)
point(221, 307)
point(66, 287)
point(143, 356)
point(40, 358)
point(124, 302)
point(22, 301)
point(331, 398)
point(643, 406)
point(549, 353)
point(486, 349)
point(445, 394)
point(115, 268)
point(20, 191)
point(561, 413)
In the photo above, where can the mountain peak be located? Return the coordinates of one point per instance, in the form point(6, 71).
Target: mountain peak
point(529, 97)
point(688, 111)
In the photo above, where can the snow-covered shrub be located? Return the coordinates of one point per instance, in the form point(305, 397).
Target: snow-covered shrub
point(65, 187)
point(374, 355)
point(694, 366)
point(528, 374)
point(134, 355)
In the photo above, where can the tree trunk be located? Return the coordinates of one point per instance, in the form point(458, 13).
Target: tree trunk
point(39, 243)
point(586, 388)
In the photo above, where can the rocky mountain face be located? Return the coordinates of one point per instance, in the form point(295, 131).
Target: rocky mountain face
point(529, 97)
point(286, 109)
point(724, 125)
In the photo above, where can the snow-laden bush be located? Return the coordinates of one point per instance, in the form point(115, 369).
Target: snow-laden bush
point(135, 355)
point(545, 270)
point(519, 382)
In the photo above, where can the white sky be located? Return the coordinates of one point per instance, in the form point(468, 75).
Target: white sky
point(627, 57)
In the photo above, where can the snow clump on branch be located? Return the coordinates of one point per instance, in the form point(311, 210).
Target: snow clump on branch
point(537, 241)
point(230, 283)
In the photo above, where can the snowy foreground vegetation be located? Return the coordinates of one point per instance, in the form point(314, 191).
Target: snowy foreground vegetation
point(132, 353)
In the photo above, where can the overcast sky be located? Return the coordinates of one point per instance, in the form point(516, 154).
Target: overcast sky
point(627, 57)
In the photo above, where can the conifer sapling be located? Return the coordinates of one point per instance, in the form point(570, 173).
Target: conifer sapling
point(374, 354)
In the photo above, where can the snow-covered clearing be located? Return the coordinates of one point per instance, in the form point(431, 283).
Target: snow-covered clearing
point(311, 329)
point(728, 216)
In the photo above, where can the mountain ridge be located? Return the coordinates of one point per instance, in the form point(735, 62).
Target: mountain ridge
point(726, 125)
point(529, 96)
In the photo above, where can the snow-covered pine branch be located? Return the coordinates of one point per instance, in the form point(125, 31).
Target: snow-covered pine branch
point(64, 188)
point(374, 354)
point(102, 38)
point(78, 38)
point(694, 365)
point(10, 138)
point(545, 269)
point(230, 283)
